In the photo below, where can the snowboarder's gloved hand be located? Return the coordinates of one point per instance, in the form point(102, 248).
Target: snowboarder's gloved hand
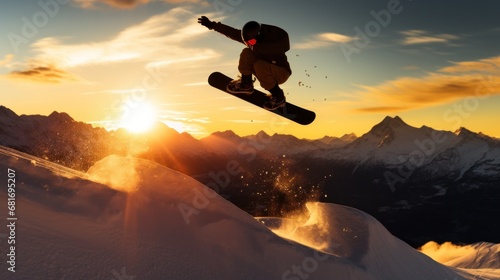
point(206, 22)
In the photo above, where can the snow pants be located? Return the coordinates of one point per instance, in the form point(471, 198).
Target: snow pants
point(267, 73)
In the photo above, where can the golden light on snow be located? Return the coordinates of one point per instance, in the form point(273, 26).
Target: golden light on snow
point(116, 173)
point(445, 252)
point(305, 227)
point(140, 118)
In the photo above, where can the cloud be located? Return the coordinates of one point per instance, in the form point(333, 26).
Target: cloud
point(160, 37)
point(483, 65)
point(158, 41)
point(184, 1)
point(413, 37)
point(121, 4)
point(447, 85)
point(324, 40)
point(128, 4)
point(382, 109)
point(43, 74)
point(6, 60)
point(446, 252)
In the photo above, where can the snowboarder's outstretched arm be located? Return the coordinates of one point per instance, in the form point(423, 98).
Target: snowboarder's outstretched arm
point(229, 31)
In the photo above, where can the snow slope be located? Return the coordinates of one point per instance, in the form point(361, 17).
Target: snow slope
point(134, 219)
point(482, 259)
point(478, 255)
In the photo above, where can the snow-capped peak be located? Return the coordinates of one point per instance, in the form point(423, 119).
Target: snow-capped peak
point(388, 127)
point(464, 132)
point(385, 142)
point(393, 121)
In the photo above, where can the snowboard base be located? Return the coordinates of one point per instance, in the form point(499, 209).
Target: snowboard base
point(289, 111)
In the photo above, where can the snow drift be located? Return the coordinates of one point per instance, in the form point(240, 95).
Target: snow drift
point(134, 219)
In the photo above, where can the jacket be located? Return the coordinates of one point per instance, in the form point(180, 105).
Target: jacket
point(272, 45)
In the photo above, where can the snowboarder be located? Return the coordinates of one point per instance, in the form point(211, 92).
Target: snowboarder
point(263, 57)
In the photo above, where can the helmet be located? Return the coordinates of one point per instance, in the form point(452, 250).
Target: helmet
point(250, 32)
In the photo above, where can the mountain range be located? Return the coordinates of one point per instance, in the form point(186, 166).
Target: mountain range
point(446, 183)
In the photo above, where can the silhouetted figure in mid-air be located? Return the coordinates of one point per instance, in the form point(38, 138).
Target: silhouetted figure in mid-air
point(263, 57)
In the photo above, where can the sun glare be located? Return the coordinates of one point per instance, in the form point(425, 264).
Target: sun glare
point(139, 119)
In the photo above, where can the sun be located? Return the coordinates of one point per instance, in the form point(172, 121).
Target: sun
point(140, 118)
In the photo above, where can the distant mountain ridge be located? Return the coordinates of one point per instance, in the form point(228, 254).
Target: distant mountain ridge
point(56, 137)
point(392, 142)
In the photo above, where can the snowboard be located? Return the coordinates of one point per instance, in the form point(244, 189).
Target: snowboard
point(289, 111)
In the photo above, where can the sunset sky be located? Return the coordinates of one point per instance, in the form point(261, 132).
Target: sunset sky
point(113, 62)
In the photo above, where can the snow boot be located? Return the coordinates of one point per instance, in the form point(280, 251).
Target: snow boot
point(277, 99)
point(243, 85)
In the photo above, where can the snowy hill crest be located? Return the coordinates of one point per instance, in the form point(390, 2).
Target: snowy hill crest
point(95, 226)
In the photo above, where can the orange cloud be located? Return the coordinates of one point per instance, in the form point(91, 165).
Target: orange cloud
point(483, 65)
point(383, 109)
point(43, 74)
point(121, 4)
point(184, 1)
point(462, 80)
point(128, 4)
